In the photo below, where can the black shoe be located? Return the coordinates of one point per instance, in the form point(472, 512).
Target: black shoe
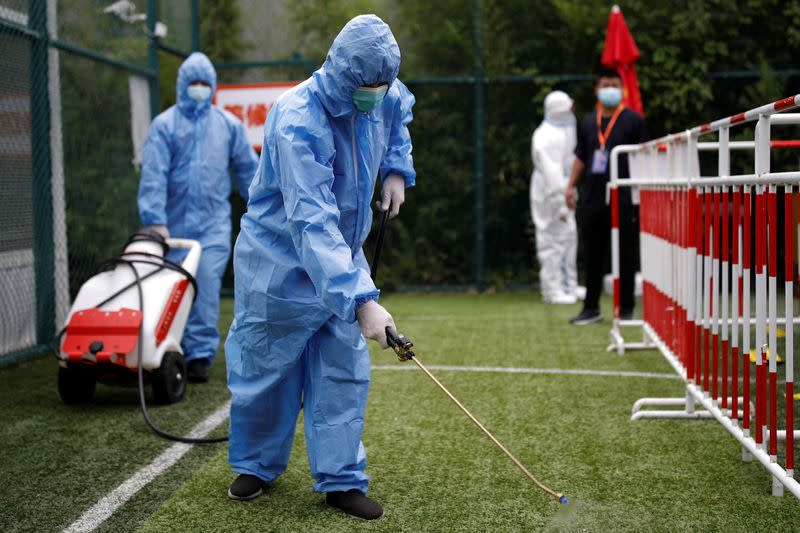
point(197, 370)
point(587, 316)
point(246, 487)
point(626, 315)
point(355, 504)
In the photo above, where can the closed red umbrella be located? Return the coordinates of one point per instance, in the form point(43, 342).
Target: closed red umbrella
point(621, 53)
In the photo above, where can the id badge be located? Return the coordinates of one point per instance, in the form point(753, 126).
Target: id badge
point(599, 161)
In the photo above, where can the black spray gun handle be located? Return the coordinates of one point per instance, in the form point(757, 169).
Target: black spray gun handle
point(376, 257)
point(400, 344)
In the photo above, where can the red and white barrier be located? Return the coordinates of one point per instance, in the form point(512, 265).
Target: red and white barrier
point(697, 238)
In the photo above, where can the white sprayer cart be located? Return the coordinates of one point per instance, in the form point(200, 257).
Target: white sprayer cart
point(115, 317)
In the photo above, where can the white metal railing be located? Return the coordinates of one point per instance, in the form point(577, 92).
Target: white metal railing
point(697, 243)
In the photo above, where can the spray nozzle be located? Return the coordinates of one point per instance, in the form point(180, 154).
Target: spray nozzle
point(400, 344)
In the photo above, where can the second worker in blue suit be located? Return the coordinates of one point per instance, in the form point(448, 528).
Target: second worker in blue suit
point(185, 189)
point(303, 290)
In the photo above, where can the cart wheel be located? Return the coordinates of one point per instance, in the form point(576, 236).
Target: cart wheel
point(169, 381)
point(76, 385)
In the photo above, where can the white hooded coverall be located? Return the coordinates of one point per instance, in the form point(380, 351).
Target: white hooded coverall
point(553, 152)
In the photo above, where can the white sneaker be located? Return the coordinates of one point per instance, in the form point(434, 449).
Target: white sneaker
point(561, 299)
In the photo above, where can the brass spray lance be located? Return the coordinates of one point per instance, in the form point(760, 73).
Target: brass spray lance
point(402, 347)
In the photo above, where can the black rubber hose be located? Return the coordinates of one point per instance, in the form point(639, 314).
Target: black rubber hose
point(376, 257)
point(142, 403)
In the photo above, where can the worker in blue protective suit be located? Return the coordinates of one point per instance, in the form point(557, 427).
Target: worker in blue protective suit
point(185, 188)
point(304, 298)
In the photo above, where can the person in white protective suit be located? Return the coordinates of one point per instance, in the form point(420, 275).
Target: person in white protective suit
point(552, 150)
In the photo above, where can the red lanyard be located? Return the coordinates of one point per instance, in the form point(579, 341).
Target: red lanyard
point(602, 137)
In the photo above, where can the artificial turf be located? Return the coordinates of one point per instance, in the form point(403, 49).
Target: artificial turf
point(430, 468)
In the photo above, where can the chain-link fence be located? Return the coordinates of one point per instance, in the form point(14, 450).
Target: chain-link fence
point(32, 247)
point(77, 81)
point(17, 317)
point(100, 181)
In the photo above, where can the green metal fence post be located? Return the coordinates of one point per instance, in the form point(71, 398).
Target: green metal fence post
point(195, 11)
point(480, 240)
point(43, 246)
point(152, 56)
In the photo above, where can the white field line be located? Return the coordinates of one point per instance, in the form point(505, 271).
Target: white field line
point(108, 505)
point(523, 370)
point(425, 318)
point(112, 501)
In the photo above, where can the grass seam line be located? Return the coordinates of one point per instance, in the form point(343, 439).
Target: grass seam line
point(524, 370)
point(108, 504)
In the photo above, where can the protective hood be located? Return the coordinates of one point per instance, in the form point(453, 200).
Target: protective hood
point(197, 67)
point(364, 52)
point(558, 109)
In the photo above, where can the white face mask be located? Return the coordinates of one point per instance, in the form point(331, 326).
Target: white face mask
point(561, 119)
point(199, 93)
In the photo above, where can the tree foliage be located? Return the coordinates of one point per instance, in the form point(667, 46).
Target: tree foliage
point(220, 39)
point(683, 44)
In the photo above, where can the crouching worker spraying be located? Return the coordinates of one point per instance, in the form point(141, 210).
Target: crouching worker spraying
point(304, 298)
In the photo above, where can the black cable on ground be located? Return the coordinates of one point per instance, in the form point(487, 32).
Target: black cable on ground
point(142, 403)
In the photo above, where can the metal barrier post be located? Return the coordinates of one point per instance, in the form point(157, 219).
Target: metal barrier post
point(43, 246)
point(612, 199)
point(724, 171)
point(480, 230)
point(152, 57)
point(195, 22)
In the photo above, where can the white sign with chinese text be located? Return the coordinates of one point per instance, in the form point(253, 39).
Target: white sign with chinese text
point(251, 104)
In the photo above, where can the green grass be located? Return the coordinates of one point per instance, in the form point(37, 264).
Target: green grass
point(56, 461)
point(431, 469)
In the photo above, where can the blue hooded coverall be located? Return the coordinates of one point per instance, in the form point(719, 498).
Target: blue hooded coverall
point(185, 186)
point(300, 272)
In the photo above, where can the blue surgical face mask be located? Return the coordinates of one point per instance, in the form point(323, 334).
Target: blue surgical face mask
point(609, 96)
point(368, 98)
point(199, 93)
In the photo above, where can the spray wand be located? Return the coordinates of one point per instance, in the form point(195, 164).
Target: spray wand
point(402, 348)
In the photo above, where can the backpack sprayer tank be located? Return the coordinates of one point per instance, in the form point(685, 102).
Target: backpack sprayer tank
point(115, 317)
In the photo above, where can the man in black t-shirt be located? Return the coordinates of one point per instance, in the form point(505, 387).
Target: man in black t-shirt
point(611, 124)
